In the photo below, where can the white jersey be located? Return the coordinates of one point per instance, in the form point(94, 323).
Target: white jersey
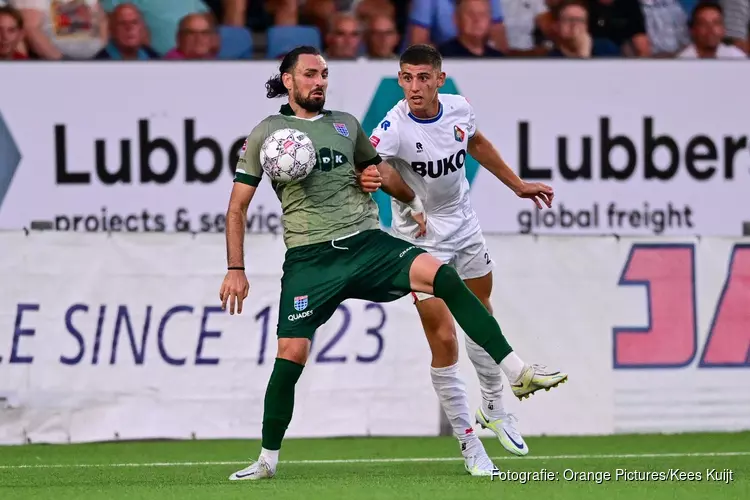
point(430, 154)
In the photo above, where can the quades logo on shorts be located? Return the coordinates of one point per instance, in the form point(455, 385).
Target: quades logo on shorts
point(295, 317)
point(404, 252)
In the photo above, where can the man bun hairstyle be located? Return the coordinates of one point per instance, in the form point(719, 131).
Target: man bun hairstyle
point(275, 85)
point(422, 54)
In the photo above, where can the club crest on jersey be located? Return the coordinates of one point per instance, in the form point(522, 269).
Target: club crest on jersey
point(341, 129)
point(458, 133)
point(244, 148)
point(300, 303)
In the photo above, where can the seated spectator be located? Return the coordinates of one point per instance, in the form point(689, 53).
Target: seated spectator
point(666, 26)
point(366, 10)
point(524, 22)
point(196, 39)
point(11, 34)
point(433, 21)
point(621, 22)
point(319, 13)
point(381, 38)
point(473, 20)
point(257, 15)
point(707, 32)
point(344, 37)
point(162, 18)
point(737, 22)
point(128, 36)
point(58, 29)
point(573, 37)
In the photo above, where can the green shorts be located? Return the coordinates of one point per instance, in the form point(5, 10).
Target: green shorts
point(371, 265)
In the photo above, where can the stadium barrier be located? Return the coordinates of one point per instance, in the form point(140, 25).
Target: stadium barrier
point(152, 146)
point(106, 337)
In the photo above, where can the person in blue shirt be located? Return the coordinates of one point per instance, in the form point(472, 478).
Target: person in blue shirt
point(433, 22)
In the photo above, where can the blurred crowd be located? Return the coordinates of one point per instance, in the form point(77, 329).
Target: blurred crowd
point(376, 29)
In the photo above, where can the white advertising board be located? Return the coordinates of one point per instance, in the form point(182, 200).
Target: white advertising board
point(121, 337)
point(151, 146)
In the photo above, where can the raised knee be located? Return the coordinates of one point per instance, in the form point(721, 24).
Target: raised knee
point(294, 349)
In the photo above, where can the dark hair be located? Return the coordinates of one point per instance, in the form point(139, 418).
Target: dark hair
point(275, 86)
point(422, 54)
point(568, 3)
point(701, 6)
point(14, 13)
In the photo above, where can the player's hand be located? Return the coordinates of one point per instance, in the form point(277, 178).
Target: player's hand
point(369, 179)
point(538, 192)
point(234, 290)
point(419, 218)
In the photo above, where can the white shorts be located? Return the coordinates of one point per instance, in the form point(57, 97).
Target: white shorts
point(468, 255)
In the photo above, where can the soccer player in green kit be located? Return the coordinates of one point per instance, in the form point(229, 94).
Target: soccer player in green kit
point(335, 247)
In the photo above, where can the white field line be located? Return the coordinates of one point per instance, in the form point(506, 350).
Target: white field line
point(367, 461)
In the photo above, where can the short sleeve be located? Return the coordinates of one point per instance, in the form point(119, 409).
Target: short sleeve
point(497, 11)
point(385, 138)
point(636, 24)
point(249, 169)
point(736, 18)
point(422, 13)
point(471, 127)
point(364, 151)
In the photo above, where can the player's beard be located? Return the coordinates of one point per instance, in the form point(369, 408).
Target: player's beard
point(309, 103)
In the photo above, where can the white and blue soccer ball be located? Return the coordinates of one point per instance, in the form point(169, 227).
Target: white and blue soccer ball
point(287, 155)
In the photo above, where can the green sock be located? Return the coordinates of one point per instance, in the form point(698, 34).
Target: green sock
point(279, 402)
point(470, 313)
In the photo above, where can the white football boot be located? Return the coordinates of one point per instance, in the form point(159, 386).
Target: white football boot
point(505, 430)
point(535, 377)
point(476, 460)
point(256, 470)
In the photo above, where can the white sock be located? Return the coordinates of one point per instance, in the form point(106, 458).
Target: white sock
point(512, 366)
point(270, 456)
point(490, 379)
point(451, 392)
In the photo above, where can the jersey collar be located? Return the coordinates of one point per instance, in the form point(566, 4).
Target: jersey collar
point(287, 110)
point(428, 120)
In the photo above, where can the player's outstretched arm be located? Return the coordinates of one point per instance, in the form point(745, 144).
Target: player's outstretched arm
point(235, 287)
point(485, 153)
point(394, 185)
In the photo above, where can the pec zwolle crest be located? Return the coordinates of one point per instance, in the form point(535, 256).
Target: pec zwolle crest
point(341, 129)
point(300, 303)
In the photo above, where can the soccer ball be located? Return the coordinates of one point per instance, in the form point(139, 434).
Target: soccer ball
point(287, 155)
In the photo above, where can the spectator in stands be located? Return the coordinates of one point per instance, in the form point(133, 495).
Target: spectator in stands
point(620, 21)
point(473, 20)
point(366, 10)
point(433, 21)
point(737, 22)
point(344, 37)
point(527, 24)
point(573, 37)
point(128, 36)
point(162, 18)
point(320, 12)
point(63, 29)
point(381, 38)
point(196, 38)
point(666, 26)
point(707, 31)
point(11, 34)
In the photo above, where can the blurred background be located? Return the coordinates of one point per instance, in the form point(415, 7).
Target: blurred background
point(115, 177)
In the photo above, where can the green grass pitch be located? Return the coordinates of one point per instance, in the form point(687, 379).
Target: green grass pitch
point(382, 468)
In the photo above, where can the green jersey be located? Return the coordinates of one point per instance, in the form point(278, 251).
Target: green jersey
point(328, 203)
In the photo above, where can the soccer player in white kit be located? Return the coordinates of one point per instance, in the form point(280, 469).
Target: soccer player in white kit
point(427, 137)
